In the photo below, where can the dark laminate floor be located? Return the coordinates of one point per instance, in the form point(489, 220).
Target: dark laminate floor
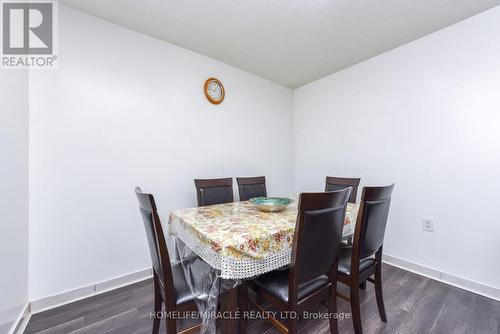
point(414, 304)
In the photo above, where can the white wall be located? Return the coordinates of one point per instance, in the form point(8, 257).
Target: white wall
point(124, 109)
point(426, 116)
point(14, 133)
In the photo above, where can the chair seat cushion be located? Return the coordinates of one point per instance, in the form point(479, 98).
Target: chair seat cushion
point(182, 291)
point(276, 283)
point(345, 261)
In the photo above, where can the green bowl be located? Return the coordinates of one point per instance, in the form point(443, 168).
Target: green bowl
point(271, 204)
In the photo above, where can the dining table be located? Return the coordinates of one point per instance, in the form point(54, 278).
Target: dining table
point(238, 242)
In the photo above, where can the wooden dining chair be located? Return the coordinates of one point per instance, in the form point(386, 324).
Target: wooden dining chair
point(250, 187)
point(336, 183)
point(312, 274)
point(214, 191)
point(364, 258)
point(170, 286)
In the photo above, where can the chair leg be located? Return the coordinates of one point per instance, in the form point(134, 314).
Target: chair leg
point(355, 308)
point(171, 326)
point(243, 306)
point(363, 285)
point(378, 292)
point(332, 309)
point(157, 307)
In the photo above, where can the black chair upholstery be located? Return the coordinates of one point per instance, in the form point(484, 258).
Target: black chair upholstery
point(318, 241)
point(250, 187)
point(345, 261)
point(215, 195)
point(214, 191)
point(373, 224)
point(276, 283)
point(182, 292)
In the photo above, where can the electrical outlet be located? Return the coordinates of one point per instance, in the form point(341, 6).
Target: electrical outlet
point(427, 224)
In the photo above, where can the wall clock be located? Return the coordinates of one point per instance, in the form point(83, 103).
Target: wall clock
point(214, 90)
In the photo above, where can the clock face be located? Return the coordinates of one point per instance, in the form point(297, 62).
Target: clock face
point(214, 91)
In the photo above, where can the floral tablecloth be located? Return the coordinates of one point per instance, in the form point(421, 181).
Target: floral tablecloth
point(239, 240)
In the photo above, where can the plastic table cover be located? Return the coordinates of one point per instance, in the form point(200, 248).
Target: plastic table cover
point(237, 241)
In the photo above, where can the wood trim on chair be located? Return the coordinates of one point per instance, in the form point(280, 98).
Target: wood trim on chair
point(327, 209)
point(164, 291)
point(370, 195)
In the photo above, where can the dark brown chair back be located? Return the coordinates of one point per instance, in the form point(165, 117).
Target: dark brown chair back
point(214, 191)
point(250, 187)
point(337, 183)
point(318, 233)
point(372, 220)
point(156, 240)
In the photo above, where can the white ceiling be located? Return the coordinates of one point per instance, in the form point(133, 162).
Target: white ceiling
point(292, 42)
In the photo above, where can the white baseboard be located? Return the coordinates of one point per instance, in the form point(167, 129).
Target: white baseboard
point(50, 302)
point(459, 282)
point(46, 303)
point(22, 321)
